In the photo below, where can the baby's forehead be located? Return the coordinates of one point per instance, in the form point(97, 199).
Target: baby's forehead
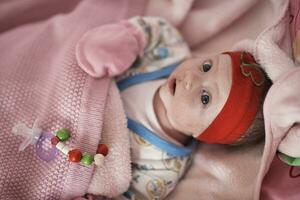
point(204, 55)
point(200, 57)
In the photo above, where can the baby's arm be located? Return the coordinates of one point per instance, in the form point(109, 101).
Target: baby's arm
point(162, 39)
point(164, 45)
point(111, 49)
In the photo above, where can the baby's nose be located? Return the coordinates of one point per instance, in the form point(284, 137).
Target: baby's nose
point(190, 80)
point(188, 85)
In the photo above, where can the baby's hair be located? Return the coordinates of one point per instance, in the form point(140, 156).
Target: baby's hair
point(255, 133)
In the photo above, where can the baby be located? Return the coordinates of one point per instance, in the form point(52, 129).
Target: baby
point(171, 97)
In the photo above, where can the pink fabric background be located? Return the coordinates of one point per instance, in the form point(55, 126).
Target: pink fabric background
point(208, 26)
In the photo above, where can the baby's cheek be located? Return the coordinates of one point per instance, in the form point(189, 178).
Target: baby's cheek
point(182, 119)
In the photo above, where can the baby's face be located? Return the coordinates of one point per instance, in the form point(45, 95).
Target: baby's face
point(196, 91)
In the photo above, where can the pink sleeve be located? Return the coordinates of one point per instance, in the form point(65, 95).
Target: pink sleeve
point(109, 50)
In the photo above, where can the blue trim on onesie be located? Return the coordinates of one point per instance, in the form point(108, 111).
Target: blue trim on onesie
point(148, 76)
point(170, 148)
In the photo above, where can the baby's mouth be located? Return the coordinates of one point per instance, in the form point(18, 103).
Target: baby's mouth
point(172, 86)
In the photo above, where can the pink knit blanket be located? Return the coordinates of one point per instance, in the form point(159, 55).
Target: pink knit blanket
point(40, 79)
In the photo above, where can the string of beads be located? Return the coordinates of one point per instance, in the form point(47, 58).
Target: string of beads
point(75, 155)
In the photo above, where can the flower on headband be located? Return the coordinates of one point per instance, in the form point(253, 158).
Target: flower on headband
point(252, 69)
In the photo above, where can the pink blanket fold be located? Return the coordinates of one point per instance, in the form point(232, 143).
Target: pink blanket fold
point(40, 79)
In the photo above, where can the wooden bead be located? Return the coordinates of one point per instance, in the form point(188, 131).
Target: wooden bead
point(63, 134)
point(102, 149)
point(99, 159)
point(87, 159)
point(60, 146)
point(75, 155)
point(65, 150)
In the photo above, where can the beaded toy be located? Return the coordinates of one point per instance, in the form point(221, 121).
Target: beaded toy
point(36, 136)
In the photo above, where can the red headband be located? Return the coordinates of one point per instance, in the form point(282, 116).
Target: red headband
point(243, 102)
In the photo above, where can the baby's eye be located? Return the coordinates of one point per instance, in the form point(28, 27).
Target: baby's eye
point(206, 65)
point(205, 97)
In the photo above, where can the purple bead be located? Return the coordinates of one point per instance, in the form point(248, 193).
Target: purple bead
point(46, 155)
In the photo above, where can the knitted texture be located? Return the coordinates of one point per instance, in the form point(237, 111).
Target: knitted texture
point(40, 79)
point(106, 180)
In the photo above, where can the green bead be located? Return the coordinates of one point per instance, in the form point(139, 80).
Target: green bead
point(63, 134)
point(87, 159)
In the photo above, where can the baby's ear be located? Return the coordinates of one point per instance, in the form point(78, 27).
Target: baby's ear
point(108, 50)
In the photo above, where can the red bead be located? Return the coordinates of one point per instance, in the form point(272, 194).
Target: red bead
point(102, 149)
point(54, 140)
point(75, 155)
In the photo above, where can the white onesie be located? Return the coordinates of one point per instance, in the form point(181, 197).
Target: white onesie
point(158, 161)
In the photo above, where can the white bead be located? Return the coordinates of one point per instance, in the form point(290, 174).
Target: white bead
point(65, 150)
point(99, 159)
point(60, 146)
